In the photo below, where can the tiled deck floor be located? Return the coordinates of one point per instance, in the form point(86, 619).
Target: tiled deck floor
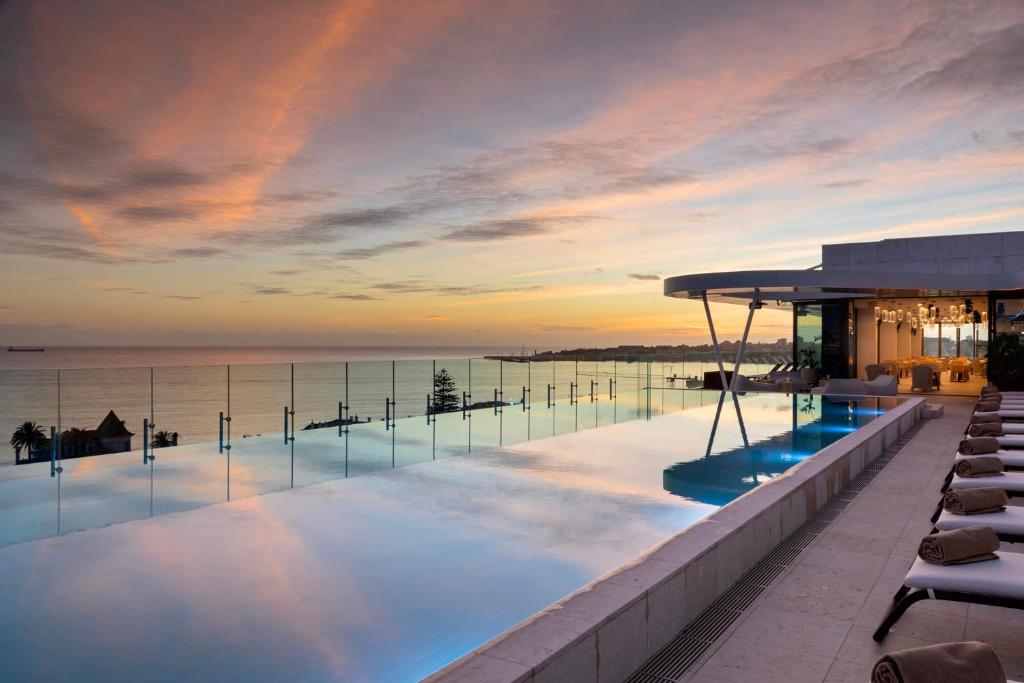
point(815, 623)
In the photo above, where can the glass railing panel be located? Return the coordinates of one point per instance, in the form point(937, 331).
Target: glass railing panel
point(514, 425)
point(28, 503)
point(371, 447)
point(262, 453)
point(321, 420)
point(486, 382)
point(413, 440)
point(542, 377)
point(566, 376)
point(29, 407)
point(459, 370)
point(371, 388)
point(516, 378)
point(414, 387)
point(450, 434)
point(485, 428)
point(104, 480)
point(191, 467)
point(32, 397)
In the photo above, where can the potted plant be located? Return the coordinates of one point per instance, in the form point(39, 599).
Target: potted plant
point(1005, 366)
point(809, 363)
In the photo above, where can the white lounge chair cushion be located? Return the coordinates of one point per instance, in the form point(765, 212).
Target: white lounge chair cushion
point(1006, 414)
point(1011, 521)
point(1013, 428)
point(1011, 440)
point(1010, 481)
point(1003, 577)
point(1009, 458)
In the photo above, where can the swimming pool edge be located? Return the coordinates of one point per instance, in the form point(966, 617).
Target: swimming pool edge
point(607, 629)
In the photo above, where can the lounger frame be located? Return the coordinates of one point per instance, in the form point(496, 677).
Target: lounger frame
point(907, 596)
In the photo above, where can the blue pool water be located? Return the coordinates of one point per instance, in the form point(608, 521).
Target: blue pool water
point(386, 576)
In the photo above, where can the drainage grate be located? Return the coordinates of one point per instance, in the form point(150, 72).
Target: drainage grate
point(673, 660)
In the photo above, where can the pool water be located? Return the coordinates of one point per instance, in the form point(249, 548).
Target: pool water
point(394, 574)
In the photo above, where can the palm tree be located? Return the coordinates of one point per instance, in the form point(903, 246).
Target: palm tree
point(27, 436)
point(162, 439)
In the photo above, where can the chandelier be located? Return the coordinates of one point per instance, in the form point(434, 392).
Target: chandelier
point(956, 314)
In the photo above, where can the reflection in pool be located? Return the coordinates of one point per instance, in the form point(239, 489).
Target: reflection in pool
point(391, 575)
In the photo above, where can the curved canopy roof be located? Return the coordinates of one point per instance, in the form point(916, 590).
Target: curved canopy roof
point(780, 288)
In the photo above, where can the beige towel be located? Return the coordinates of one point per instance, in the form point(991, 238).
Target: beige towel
point(971, 661)
point(979, 446)
point(979, 466)
point(975, 543)
point(986, 429)
point(986, 418)
point(975, 501)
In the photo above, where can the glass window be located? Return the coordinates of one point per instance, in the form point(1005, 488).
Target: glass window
point(1009, 316)
point(808, 335)
point(931, 341)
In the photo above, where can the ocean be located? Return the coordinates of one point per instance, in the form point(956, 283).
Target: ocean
point(185, 389)
point(146, 356)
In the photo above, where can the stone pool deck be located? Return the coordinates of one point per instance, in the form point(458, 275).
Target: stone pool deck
point(814, 623)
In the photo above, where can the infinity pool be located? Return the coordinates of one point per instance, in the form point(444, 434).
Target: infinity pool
point(391, 575)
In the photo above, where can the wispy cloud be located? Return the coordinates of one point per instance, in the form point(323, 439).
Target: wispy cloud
point(363, 253)
point(352, 297)
point(644, 276)
point(512, 228)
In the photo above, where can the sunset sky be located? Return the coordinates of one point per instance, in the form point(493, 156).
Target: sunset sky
point(461, 173)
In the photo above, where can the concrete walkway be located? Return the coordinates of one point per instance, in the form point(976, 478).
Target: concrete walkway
point(815, 622)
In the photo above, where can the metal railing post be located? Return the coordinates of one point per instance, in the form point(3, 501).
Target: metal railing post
point(53, 452)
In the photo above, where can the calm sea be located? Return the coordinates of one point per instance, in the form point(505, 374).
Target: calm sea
point(184, 389)
point(146, 356)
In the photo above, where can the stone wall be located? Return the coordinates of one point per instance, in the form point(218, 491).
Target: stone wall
point(1001, 252)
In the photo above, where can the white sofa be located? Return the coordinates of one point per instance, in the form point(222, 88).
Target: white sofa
point(883, 385)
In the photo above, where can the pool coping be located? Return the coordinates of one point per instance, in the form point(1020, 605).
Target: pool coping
point(606, 630)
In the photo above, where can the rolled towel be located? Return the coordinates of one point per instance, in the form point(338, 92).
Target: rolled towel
point(990, 390)
point(986, 429)
point(975, 543)
point(979, 466)
point(986, 418)
point(977, 501)
point(946, 662)
point(979, 445)
point(987, 406)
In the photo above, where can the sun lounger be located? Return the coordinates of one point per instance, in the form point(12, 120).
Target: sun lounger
point(1011, 440)
point(1011, 482)
point(1012, 427)
point(998, 582)
point(1011, 459)
point(1008, 525)
point(1007, 415)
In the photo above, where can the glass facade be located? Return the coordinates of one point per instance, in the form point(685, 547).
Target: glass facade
point(807, 336)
